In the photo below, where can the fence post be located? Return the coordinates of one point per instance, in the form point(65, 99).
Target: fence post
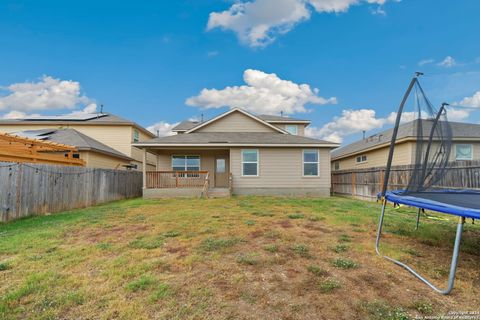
point(354, 183)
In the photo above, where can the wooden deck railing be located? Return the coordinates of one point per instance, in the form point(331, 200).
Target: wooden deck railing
point(176, 179)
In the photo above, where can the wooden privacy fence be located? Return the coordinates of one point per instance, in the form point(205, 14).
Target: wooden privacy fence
point(367, 183)
point(27, 189)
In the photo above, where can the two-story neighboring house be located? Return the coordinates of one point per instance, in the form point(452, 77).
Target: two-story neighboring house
point(240, 152)
point(102, 128)
point(373, 151)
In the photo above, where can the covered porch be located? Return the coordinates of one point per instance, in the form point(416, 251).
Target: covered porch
point(188, 172)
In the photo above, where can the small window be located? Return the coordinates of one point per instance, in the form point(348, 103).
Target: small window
point(220, 168)
point(250, 162)
point(310, 163)
point(136, 135)
point(361, 159)
point(337, 165)
point(463, 152)
point(185, 163)
point(292, 129)
point(74, 155)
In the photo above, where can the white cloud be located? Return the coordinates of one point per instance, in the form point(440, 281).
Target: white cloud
point(472, 102)
point(46, 94)
point(406, 117)
point(448, 62)
point(425, 61)
point(162, 128)
point(20, 99)
point(257, 23)
point(263, 93)
point(350, 122)
point(457, 114)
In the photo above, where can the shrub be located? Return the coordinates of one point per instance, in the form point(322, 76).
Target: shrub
point(4, 266)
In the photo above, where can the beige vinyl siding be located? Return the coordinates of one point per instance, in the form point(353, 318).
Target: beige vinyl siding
point(102, 161)
point(236, 122)
point(280, 168)
point(207, 160)
point(378, 158)
point(300, 127)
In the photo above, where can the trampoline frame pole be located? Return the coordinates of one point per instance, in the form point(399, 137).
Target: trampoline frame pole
point(453, 265)
point(418, 219)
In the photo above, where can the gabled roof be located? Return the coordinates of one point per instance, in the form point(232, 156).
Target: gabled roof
point(223, 115)
point(406, 130)
point(231, 139)
point(84, 119)
point(72, 137)
point(188, 124)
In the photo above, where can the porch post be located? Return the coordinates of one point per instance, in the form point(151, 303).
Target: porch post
point(144, 168)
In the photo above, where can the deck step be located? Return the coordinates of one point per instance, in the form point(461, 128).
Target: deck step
point(219, 193)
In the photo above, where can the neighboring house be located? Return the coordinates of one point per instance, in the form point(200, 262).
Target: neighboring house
point(109, 129)
point(249, 154)
point(373, 150)
point(94, 153)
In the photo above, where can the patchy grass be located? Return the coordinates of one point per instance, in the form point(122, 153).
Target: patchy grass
point(343, 263)
point(328, 285)
point(339, 248)
point(316, 270)
point(302, 250)
point(296, 216)
point(272, 248)
point(237, 258)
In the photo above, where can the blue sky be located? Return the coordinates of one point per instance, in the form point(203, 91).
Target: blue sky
point(143, 59)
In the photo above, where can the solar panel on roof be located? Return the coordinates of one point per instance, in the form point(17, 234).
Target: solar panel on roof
point(68, 117)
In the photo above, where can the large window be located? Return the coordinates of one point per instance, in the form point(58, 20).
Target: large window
point(463, 152)
point(185, 163)
point(292, 129)
point(250, 162)
point(310, 163)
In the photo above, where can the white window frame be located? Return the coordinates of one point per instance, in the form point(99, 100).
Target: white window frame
point(187, 155)
point(463, 144)
point(292, 126)
point(317, 162)
point(257, 162)
point(137, 134)
point(361, 159)
point(336, 165)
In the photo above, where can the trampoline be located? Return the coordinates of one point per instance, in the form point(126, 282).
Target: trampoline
point(433, 144)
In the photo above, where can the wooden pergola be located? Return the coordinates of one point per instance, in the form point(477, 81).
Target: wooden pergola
point(14, 148)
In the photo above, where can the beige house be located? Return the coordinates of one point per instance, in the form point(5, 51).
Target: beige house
point(94, 153)
point(110, 130)
point(241, 153)
point(373, 150)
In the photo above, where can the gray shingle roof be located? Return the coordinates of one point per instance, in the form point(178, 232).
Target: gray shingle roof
point(186, 125)
point(226, 138)
point(273, 118)
point(407, 130)
point(74, 138)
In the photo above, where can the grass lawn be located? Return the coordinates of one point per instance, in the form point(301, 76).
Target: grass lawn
point(238, 258)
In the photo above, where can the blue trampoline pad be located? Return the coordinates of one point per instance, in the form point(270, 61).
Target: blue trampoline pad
point(463, 203)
